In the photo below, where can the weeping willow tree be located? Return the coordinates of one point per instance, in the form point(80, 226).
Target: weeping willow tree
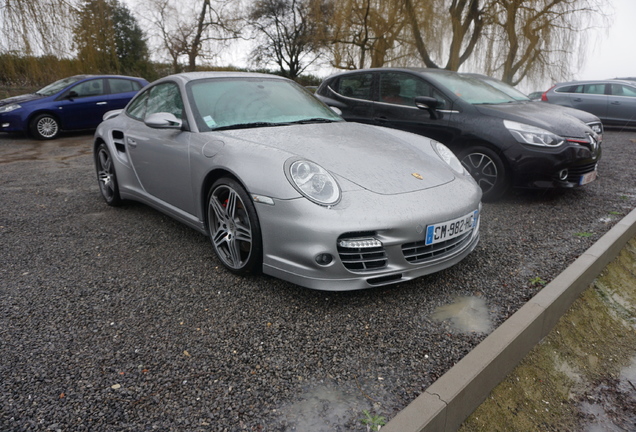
point(510, 39)
point(366, 33)
point(35, 39)
point(36, 27)
point(530, 39)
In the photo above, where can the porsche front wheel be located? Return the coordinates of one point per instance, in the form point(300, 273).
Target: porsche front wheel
point(233, 227)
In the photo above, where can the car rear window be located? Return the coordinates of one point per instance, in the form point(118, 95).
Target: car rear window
point(119, 85)
point(582, 89)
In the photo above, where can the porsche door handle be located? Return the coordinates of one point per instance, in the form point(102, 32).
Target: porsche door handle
point(102, 103)
point(131, 142)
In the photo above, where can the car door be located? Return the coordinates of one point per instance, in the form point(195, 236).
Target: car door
point(83, 105)
point(160, 157)
point(121, 90)
point(353, 95)
point(395, 106)
point(622, 104)
point(591, 98)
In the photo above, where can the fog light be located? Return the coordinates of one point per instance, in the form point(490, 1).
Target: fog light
point(360, 243)
point(324, 259)
point(563, 174)
point(5, 125)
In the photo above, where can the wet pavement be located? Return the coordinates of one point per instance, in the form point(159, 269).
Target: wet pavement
point(123, 319)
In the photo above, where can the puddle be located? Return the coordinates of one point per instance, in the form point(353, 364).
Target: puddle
point(604, 409)
point(60, 150)
point(324, 408)
point(628, 380)
point(466, 315)
point(601, 420)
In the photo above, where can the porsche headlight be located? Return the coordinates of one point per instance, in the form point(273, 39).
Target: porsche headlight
point(313, 182)
point(9, 108)
point(449, 157)
point(527, 134)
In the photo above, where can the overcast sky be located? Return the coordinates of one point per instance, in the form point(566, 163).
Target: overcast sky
point(611, 52)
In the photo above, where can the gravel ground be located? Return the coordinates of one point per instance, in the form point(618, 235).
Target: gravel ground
point(120, 319)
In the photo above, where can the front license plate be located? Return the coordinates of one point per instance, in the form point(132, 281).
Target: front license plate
point(587, 178)
point(447, 230)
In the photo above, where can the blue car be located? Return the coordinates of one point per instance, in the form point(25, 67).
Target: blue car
point(77, 102)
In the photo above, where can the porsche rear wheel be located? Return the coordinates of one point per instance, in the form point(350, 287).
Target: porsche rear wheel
point(234, 228)
point(106, 176)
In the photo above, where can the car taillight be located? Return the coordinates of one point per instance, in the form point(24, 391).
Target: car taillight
point(544, 96)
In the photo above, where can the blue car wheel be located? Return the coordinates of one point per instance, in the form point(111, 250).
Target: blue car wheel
point(45, 127)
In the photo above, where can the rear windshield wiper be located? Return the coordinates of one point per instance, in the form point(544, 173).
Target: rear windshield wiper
point(248, 125)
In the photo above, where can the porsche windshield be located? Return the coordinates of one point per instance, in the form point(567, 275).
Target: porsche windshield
point(473, 90)
point(225, 103)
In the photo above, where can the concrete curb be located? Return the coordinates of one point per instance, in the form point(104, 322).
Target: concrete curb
point(453, 397)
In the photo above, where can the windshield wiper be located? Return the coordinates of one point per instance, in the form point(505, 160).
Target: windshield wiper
point(248, 125)
point(314, 120)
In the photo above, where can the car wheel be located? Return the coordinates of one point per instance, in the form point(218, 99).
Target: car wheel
point(234, 228)
point(106, 176)
point(45, 127)
point(488, 170)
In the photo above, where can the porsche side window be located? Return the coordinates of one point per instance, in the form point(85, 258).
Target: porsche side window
point(137, 109)
point(88, 88)
point(165, 97)
point(355, 86)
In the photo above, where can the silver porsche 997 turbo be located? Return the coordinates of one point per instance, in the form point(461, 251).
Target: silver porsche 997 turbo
point(282, 185)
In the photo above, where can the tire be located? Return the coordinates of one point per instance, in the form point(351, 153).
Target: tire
point(488, 170)
point(45, 127)
point(233, 227)
point(106, 176)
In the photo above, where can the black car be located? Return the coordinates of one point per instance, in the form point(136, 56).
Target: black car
point(501, 141)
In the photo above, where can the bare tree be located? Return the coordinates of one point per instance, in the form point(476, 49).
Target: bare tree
point(292, 33)
point(188, 29)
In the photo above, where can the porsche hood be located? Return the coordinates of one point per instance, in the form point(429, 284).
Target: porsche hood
point(383, 161)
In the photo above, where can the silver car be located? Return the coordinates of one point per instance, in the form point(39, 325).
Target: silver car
point(282, 185)
point(613, 101)
point(557, 110)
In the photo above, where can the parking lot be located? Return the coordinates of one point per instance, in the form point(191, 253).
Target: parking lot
point(122, 319)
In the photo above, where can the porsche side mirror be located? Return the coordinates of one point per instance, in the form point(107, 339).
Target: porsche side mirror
point(163, 120)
